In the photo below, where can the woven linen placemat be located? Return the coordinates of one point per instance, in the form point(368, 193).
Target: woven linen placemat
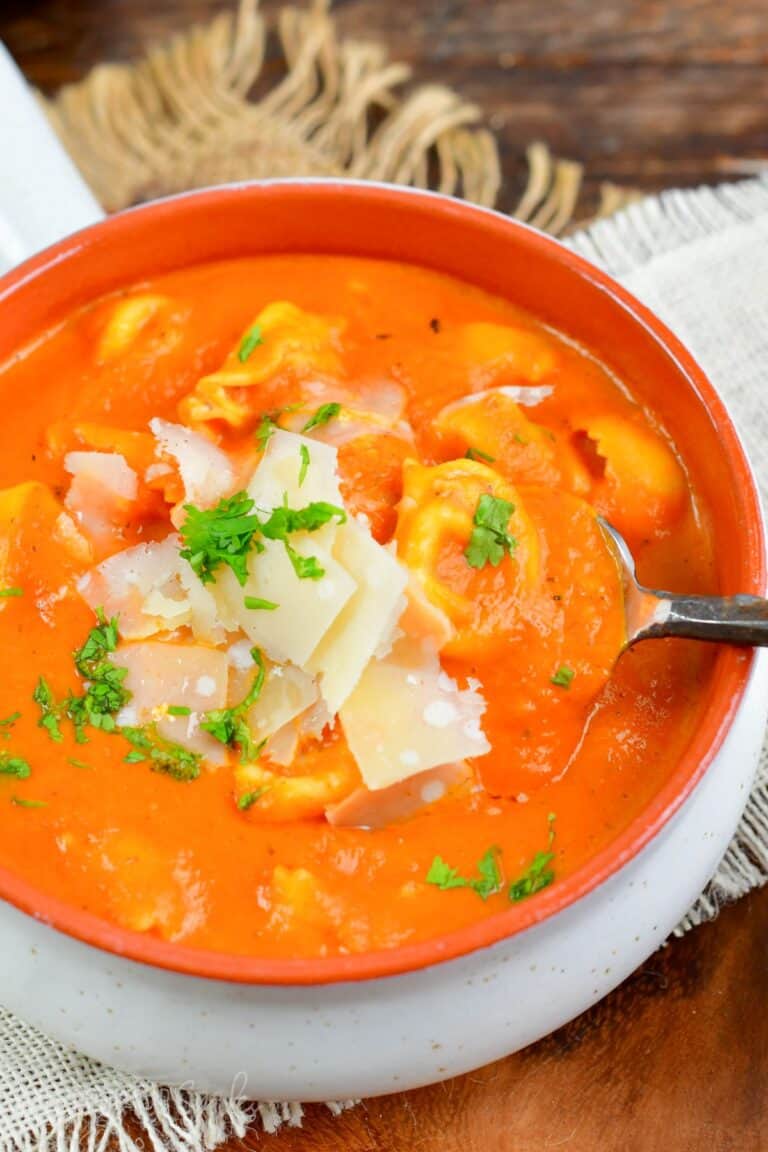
point(699, 259)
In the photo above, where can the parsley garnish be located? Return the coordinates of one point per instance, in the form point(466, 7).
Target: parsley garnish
point(7, 724)
point(488, 881)
point(100, 641)
point(476, 454)
point(284, 521)
point(78, 763)
point(162, 755)
point(269, 423)
point(21, 803)
point(248, 799)
point(324, 413)
point(304, 454)
point(254, 603)
point(229, 726)
point(538, 874)
point(14, 766)
point(220, 535)
point(104, 694)
point(50, 711)
point(490, 540)
point(179, 710)
point(563, 677)
point(249, 343)
point(11, 592)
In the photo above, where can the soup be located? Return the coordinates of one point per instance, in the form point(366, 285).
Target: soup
point(310, 632)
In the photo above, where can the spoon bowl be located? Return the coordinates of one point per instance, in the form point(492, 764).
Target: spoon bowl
point(650, 613)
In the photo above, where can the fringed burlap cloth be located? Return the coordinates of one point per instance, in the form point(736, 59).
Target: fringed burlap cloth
point(181, 118)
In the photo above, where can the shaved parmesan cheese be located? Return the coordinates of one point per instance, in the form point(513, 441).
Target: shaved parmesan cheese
point(282, 747)
point(276, 480)
point(367, 620)
point(306, 608)
point(287, 692)
point(122, 585)
point(205, 470)
point(406, 715)
point(109, 470)
point(527, 395)
point(152, 590)
point(366, 809)
point(162, 675)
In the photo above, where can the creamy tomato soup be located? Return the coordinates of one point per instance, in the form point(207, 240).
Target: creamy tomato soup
point(310, 634)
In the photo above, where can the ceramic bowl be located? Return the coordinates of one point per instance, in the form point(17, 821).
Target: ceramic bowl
point(359, 1025)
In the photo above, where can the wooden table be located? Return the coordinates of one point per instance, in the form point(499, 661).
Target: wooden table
point(645, 93)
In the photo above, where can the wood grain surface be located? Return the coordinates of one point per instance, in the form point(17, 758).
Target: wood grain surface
point(650, 94)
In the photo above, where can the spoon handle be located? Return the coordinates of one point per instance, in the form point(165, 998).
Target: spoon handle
point(729, 619)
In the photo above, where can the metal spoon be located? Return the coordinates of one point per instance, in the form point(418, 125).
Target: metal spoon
point(650, 613)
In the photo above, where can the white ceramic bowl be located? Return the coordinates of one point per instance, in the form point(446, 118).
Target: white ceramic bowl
point(363, 1025)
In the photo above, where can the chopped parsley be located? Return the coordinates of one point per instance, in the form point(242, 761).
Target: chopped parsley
point(283, 521)
point(249, 343)
point(21, 803)
point(485, 884)
point(7, 724)
point(248, 799)
point(104, 694)
point(304, 466)
point(78, 763)
point(99, 642)
point(7, 592)
point(179, 710)
point(490, 539)
point(255, 603)
point(15, 766)
point(229, 726)
point(538, 874)
point(270, 422)
point(477, 454)
point(323, 414)
point(220, 535)
point(50, 710)
point(162, 755)
point(563, 678)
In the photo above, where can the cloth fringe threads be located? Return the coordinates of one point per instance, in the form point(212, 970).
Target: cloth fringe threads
point(181, 118)
point(184, 117)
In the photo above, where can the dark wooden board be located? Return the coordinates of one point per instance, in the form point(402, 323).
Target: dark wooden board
point(645, 93)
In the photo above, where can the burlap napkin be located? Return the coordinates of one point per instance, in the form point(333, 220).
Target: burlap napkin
point(699, 259)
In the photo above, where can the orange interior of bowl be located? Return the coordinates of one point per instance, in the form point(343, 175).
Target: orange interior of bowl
point(502, 257)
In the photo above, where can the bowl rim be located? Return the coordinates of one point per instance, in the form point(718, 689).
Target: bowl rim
point(731, 676)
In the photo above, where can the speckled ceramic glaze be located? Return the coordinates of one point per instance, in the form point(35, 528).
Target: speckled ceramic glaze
point(373, 1023)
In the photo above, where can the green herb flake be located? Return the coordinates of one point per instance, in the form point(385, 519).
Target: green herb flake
point(477, 454)
point(20, 802)
point(78, 763)
point(249, 343)
point(248, 799)
point(7, 593)
point(255, 604)
point(15, 766)
point(538, 874)
point(7, 724)
point(220, 535)
point(563, 678)
point(229, 726)
point(50, 710)
point(490, 540)
point(162, 755)
point(179, 710)
point(304, 466)
point(100, 641)
point(485, 884)
point(323, 414)
point(284, 521)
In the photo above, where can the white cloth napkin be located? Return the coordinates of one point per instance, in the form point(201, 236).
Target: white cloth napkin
point(700, 261)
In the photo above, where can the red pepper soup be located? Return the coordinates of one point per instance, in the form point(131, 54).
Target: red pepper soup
point(312, 640)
